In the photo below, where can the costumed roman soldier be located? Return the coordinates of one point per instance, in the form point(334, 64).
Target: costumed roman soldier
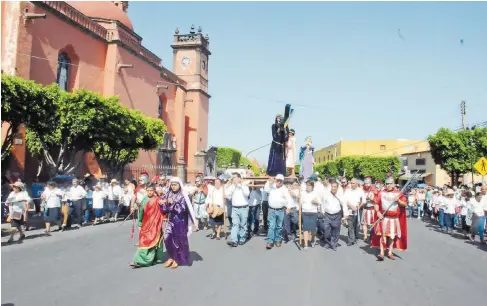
point(306, 159)
point(277, 153)
point(391, 231)
point(291, 153)
point(369, 215)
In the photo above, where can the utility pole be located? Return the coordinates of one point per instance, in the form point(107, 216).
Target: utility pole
point(464, 113)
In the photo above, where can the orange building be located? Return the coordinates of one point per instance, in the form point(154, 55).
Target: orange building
point(93, 46)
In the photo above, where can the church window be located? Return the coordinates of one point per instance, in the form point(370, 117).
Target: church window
point(63, 71)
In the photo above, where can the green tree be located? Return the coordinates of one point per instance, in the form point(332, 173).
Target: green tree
point(81, 120)
point(456, 152)
point(130, 132)
point(361, 166)
point(25, 103)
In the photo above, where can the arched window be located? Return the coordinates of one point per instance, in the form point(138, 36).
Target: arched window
point(161, 108)
point(63, 71)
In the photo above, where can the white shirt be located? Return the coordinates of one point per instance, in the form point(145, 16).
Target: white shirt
point(98, 197)
point(278, 197)
point(53, 197)
point(332, 205)
point(255, 198)
point(17, 201)
point(449, 205)
point(239, 195)
point(215, 197)
point(265, 195)
point(127, 197)
point(354, 197)
point(295, 196)
point(76, 193)
point(114, 192)
point(477, 207)
point(306, 202)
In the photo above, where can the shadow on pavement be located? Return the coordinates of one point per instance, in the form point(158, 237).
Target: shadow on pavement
point(8, 304)
point(479, 246)
point(194, 256)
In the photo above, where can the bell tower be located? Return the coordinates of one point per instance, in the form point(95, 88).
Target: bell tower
point(190, 63)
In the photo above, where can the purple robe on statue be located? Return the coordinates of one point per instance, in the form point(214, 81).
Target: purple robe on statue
point(176, 229)
point(277, 154)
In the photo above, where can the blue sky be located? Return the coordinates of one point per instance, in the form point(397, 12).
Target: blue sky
point(345, 61)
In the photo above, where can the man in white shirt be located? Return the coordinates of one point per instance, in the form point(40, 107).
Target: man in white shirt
point(449, 204)
point(75, 195)
point(279, 200)
point(255, 202)
point(114, 195)
point(354, 198)
point(291, 218)
point(332, 209)
point(239, 194)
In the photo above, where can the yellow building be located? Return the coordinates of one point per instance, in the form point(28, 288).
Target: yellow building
point(370, 148)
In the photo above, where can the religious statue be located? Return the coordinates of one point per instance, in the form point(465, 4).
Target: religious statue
point(277, 158)
point(306, 159)
point(291, 152)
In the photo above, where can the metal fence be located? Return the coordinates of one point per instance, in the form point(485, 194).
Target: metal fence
point(153, 170)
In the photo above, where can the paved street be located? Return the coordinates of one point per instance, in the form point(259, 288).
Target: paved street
point(90, 267)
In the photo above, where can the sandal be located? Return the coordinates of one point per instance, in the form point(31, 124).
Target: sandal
point(168, 263)
point(380, 257)
point(391, 257)
point(174, 265)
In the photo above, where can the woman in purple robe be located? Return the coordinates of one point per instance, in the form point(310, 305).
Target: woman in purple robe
point(277, 154)
point(180, 218)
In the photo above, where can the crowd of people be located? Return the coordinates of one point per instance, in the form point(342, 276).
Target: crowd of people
point(462, 208)
point(308, 212)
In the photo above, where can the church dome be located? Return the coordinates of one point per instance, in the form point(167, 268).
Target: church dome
point(112, 10)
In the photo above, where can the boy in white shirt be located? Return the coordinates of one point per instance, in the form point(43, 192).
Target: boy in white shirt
point(255, 206)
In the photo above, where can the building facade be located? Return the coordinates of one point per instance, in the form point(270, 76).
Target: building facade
point(376, 148)
point(423, 163)
point(93, 46)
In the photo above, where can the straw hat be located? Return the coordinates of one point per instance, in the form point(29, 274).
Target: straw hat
point(113, 181)
point(450, 192)
point(18, 185)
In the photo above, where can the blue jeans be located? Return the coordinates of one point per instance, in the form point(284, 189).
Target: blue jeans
point(254, 218)
point(441, 218)
point(420, 209)
point(449, 218)
point(411, 211)
point(480, 222)
point(275, 220)
point(239, 224)
point(89, 207)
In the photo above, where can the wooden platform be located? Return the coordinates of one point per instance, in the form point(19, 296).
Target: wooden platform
point(260, 181)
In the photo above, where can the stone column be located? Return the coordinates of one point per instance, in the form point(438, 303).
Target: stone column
point(200, 162)
point(182, 169)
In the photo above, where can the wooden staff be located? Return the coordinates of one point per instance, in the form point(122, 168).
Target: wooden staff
point(300, 216)
point(224, 213)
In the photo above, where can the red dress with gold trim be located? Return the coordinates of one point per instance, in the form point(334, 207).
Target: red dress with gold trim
point(393, 224)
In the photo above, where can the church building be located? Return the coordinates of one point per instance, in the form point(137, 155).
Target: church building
point(94, 46)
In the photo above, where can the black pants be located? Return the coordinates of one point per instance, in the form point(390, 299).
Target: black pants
point(291, 224)
point(265, 213)
point(353, 228)
point(331, 226)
